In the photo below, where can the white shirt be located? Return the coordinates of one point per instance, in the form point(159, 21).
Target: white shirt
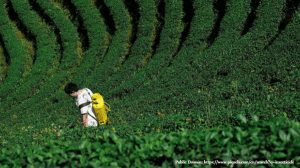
point(84, 97)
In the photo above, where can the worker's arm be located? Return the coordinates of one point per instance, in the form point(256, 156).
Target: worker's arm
point(85, 120)
point(84, 102)
point(84, 113)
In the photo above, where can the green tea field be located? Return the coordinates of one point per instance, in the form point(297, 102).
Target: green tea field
point(187, 80)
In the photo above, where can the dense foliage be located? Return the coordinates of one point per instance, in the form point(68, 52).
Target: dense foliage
point(277, 140)
point(163, 66)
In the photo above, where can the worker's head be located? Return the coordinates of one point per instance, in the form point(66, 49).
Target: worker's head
point(71, 89)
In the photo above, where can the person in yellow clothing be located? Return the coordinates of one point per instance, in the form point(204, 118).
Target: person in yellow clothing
point(83, 102)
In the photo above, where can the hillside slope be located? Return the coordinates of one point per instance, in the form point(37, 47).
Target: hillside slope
point(162, 65)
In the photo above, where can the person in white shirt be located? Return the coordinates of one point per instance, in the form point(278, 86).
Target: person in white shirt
point(83, 102)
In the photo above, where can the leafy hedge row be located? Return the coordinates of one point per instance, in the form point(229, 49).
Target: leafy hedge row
point(229, 26)
point(214, 81)
point(196, 47)
point(20, 58)
point(71, 57)
point(253, 140)
point(47, 54)
point(72, 52)
point(56, 100)
point(169, 41)
point(146, 34)
point(119, 46)
point(98, 43)
point(3, 64)
point(201, 86)
point(53, 90)
point(201, 24)
point(51, 107)
point(227, 70)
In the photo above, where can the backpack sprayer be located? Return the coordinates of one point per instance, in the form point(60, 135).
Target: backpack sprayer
point(101, 108)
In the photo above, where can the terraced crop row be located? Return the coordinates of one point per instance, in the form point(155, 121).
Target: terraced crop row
point(146, 33)
point(48, 89)
point(169, 42)
point(15, 52)
point(120, 46)
point(51, 89)
point(71, 56)
point(46, 61)
point(4, 61)
point(199, 88)
point(159, 63)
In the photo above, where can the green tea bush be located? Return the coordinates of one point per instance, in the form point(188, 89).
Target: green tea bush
point(275, 140)
point(3, 63)
point(71, 57)
point(72, 52)
point(55, 98)
point(142, 47)
point(52, 88)
point(212, 83)
point(99, 39)
point(47, 60)
point(20, 58)
point(169, 41)
point(119, 46)
point(160, 72)
point(156, 66)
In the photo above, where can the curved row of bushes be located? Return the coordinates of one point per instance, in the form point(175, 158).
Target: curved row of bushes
point(165, 51)
point(119, 47)
point(98, 43)
point(47, 54)
point(213, 82)
point(169, 41)
point(19, 56)
point(71, 57)
point(146, 34)
point(72, 52)
point(52, 89)
point(3, 63)
point(159, 70)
